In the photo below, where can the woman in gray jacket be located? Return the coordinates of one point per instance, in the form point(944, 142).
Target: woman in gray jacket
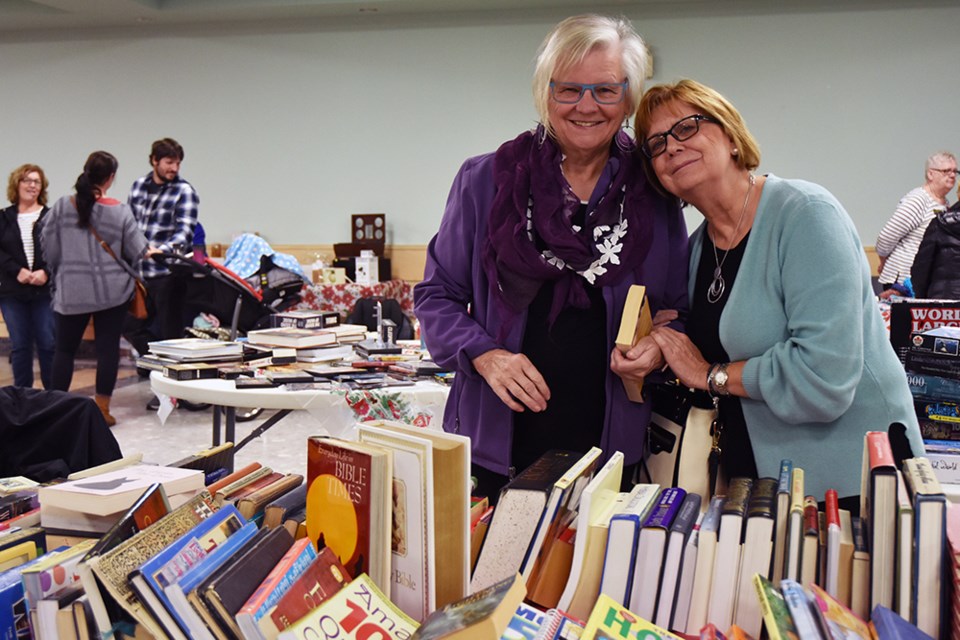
point(87, 280)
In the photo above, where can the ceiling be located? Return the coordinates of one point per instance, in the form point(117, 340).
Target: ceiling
point(33, 16)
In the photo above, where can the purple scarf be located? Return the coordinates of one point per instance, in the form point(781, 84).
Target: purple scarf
point(532, 208)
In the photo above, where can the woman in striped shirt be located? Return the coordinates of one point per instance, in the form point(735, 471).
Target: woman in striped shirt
point(900, 238)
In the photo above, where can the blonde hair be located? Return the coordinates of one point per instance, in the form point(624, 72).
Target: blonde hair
point(573, 39)
point(18, 174)
point(708, 102)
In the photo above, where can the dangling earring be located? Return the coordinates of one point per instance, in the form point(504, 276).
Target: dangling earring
point(541, 135)
point(626, 137)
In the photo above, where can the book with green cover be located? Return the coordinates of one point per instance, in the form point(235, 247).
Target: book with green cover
point(610, 619)
point(776, 615)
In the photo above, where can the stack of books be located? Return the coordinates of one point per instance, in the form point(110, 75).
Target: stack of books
point(933, 374)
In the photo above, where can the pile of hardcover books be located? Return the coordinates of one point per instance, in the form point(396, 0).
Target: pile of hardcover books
point(932, 362)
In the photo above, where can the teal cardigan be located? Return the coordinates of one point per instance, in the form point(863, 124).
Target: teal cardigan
point(820, 370)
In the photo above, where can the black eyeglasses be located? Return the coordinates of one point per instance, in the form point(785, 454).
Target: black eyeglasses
point(683, 129)
point(946, 171)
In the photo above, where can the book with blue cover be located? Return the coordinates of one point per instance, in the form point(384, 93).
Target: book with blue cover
point(174, 561)
point(623, 533)
point(177, 591)
point(651, 551)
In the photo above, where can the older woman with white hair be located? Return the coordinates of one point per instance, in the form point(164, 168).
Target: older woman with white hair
point(526, 278)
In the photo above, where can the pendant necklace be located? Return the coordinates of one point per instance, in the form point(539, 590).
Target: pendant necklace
point(718, 286)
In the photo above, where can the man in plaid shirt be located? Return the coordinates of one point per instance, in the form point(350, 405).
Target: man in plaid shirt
point(165, 207)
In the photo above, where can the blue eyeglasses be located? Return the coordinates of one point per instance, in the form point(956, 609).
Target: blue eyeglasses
point(603, 92)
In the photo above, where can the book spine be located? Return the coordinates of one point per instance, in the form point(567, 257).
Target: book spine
point(921, 478)
point(879, 447)
point(666, 509)
point(763, 498)
point(796, 490)
point(738, 495)
point(811, 521)
point(786, 471)
point(284, 574)
point(832, 508)
point(711, 519)
point(687, 515)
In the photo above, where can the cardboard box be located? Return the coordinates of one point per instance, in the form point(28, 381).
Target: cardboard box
point(937, 411)
point(933, 364)
point(929, 387)
point(942, 340)
point(912, 316)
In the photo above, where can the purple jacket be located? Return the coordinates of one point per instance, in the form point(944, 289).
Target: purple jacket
point(455, 334)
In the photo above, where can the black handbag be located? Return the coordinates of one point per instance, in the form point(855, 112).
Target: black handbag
point(682, 448)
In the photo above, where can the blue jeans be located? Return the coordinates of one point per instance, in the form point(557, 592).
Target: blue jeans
point(29, 322)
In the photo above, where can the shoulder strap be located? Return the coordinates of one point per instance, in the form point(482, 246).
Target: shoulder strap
point(106, 247)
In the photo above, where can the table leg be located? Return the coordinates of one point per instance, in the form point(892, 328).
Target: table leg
point(216, 426)
point(268, 423)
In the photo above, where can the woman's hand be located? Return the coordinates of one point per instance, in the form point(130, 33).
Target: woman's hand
point(514, 379)
point(23, 276)
point(644, 358)
point(38, 278)
point(682, 355)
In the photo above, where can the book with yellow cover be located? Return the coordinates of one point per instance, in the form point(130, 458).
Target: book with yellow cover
point(635, 323)
point(610, 619)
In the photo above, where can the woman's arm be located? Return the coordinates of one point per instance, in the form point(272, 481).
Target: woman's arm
point(820, 279)
point(451, 312)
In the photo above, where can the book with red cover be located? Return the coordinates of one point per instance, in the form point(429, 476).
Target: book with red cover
point(831, 578)
point(810, 555)
point(349, 504)
point(324, 577)
point(878, 508)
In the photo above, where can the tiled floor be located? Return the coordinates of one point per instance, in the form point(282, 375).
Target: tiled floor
point(283, 447)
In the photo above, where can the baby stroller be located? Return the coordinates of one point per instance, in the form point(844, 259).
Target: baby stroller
point(238, 303)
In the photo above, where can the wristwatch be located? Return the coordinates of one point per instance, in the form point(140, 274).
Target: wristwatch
point(718, 378)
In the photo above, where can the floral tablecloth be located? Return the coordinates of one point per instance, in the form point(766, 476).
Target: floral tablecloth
point(342, 297)
point(339, 411)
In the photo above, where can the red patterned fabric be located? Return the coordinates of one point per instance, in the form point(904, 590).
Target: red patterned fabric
point(342, 297)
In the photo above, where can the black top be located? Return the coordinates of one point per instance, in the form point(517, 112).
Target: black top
point(703, 328)
point(13, 258)
point(572, 356)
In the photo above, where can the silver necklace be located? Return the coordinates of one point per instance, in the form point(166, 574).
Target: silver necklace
point(718, 286)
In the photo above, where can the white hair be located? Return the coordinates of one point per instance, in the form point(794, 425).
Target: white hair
point(573, 39)
point(938, 158)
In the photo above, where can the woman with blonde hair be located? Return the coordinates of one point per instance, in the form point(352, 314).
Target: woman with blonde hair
point(24, 287)
point(526, 279)
point(784, 330)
